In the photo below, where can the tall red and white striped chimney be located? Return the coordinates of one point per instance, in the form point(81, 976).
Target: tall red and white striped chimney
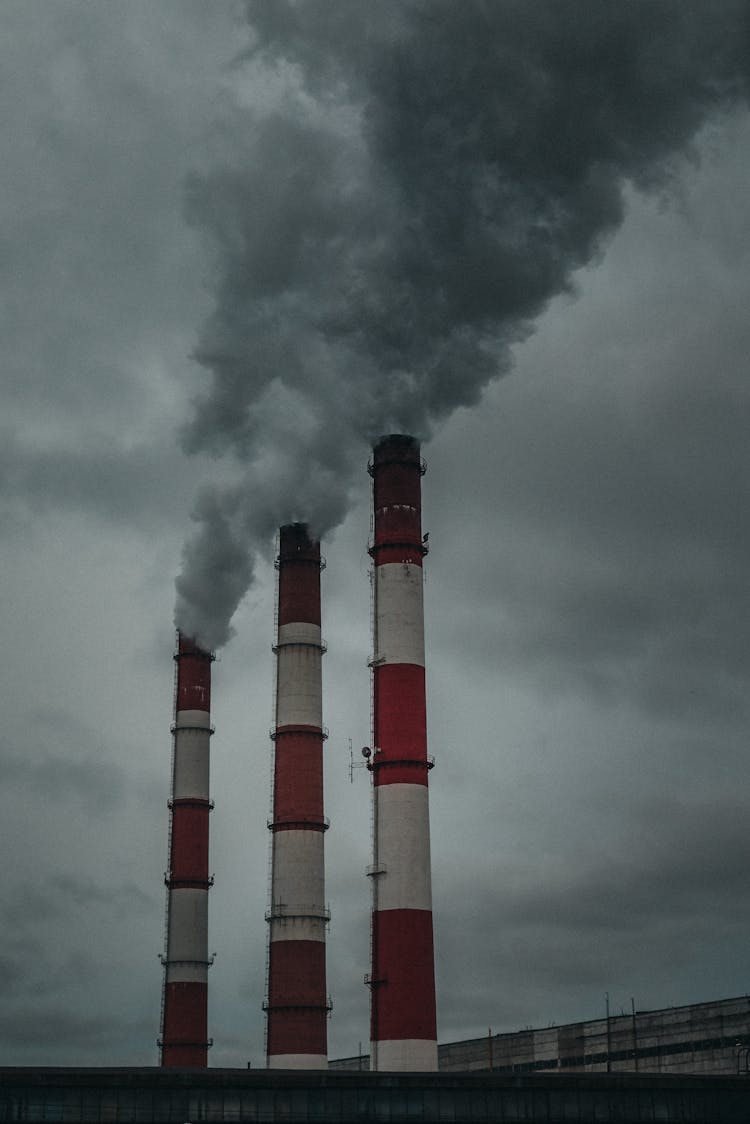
point(184, 1038)
point(297, 1002)
point(403, 1021)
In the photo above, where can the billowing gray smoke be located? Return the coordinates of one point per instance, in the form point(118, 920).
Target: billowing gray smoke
point(413, 182)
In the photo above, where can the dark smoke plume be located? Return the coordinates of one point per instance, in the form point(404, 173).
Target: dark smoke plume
point(414, 183)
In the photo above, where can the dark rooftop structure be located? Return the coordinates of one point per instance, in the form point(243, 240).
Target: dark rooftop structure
point(178, 1096)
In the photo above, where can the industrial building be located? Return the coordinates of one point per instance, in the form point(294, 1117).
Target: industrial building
point(706, 1038)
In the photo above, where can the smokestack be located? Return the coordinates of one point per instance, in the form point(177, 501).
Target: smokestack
point(184, 1000)
point(297, 1003)
point(402, 980)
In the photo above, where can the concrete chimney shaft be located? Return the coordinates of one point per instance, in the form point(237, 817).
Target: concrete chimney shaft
point(297, 1005)
point(184, 1040)
point(402, 977)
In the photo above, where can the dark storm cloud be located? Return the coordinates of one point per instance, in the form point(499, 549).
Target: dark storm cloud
point(49, 774)
point(38, 971)
point(670, 640)
point(623, 534)
point(94, 146)
point(660, 888)
point(687, 854)
point(62, 892)
point(137, 485)
point(46, 978)
point(48, 1029)
point(104, 111)
point(58, 756)
point(12, 973)
point(429, 176)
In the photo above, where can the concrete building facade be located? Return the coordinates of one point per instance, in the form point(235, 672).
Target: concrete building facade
point(702, 1038)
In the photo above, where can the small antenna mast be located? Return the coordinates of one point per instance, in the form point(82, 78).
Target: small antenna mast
point(364, 764)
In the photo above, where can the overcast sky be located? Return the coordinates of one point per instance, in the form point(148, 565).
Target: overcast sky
point(238, 241)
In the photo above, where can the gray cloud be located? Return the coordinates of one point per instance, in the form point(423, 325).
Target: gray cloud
point(34, 1031)
point(406, 209)
point(622, 569)
point(138, 486)
point(665, 887)
point(66, 761)
point(104, 113)
point(55, 895)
